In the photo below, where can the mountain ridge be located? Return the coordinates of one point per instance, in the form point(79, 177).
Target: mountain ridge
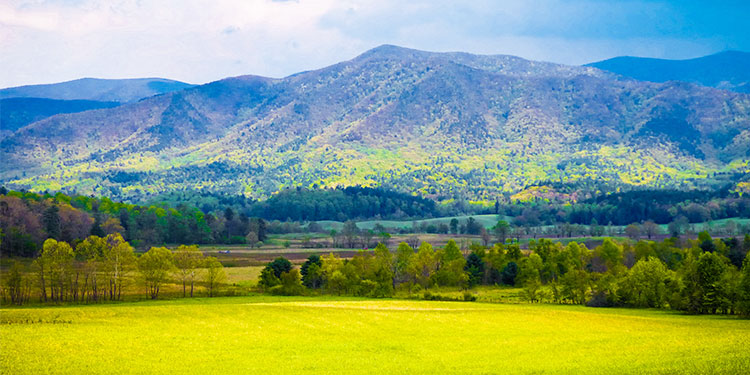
point(728, 70)
point(446, 125)
point(109, 90)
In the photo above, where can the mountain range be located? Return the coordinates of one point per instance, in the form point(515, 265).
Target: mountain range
point(443, 125)
point(20, 106)
point(729, 70)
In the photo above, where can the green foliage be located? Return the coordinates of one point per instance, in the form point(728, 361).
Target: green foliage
point(290, 284)
point(215, 275)
point(187, 259)
point(611, 253)
point(312, 272)
point(271, 274)
point(475, 269)
point(744, 288)
point(646, 284)
point(155, 266)
point(575, 286)
point(502, 230)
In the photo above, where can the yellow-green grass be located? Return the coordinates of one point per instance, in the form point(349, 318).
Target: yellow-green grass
point(243, 276)
point(264, 335)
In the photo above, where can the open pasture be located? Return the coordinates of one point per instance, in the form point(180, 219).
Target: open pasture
point(262, 334)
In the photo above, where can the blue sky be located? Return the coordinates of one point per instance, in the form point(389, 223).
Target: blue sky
point(200, 41)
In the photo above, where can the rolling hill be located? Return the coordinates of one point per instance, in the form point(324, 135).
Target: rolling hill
point(445, 125)
point(728, 70)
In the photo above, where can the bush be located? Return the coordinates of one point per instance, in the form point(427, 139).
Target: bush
point(599, 300)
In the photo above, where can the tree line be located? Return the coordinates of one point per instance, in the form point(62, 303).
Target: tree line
point(97, 269)
point(659, 206)
point(298, 204)
point(28, 219)
point(703, 276)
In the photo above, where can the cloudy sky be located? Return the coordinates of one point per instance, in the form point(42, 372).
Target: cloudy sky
point(43, 41)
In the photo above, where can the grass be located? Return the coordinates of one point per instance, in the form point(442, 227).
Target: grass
point(263, 334)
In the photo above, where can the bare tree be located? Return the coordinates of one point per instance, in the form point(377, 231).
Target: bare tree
point(650, 229)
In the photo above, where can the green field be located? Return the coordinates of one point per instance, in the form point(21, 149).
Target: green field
point(261, 334)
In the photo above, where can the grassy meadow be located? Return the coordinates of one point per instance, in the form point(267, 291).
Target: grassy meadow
point(263, 334)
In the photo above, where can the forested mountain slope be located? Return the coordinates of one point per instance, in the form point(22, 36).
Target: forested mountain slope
point(441, 124)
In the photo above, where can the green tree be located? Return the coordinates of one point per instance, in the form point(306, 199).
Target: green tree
point(611, 254)
point(57, 257)
point(384, 274)
point(474, 269)
point(312, 272)
point(155, 266)
point(530, 278)
point(90, 253)
point(450, 267)
point(513, 252)
point(215, 275)
point(454, 226)
point(502, 230)
point(51, 220)
point(117, 262)
point(187, 259)
point(646, 283)
point(531, 269)
point(710, 268)
point(423, 264)
point(744, 288)
point(509, 273)
point(14, 283)
point(575, 286)
point(404, 253)
point(290, 284)
point(271, 274)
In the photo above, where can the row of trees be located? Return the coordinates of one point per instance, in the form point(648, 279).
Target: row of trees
point(704, 276)
point(658, 206)
point(99, 268)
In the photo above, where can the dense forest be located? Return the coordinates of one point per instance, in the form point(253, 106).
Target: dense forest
point(358, 203)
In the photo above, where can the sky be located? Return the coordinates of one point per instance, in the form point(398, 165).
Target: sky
point(45, 41)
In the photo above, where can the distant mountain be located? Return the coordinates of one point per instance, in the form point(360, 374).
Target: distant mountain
point(444, 125)
point(107, 90)
point(726, 70)
point(16, 113)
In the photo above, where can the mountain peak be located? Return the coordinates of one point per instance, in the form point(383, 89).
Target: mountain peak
point(392, 51)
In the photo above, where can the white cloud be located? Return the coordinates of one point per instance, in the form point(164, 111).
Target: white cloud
point(199, 41)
